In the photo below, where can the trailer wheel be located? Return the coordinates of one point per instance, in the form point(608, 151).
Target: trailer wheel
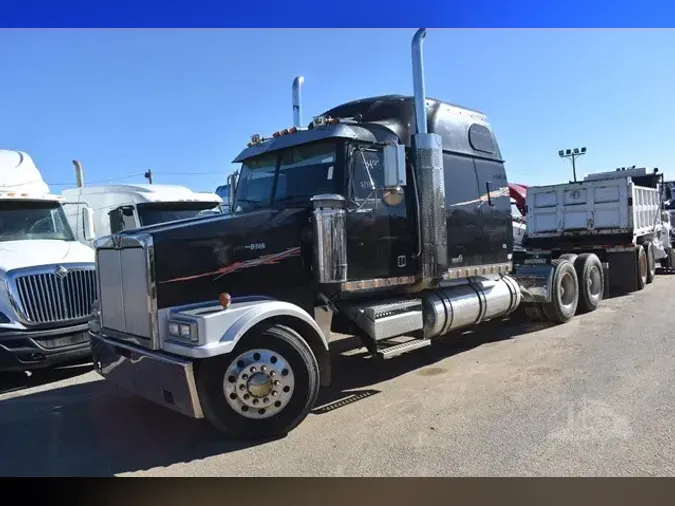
point(642, 267)
point(591, 281)
point(264, 388)
point(651, 262)
point(564, 293)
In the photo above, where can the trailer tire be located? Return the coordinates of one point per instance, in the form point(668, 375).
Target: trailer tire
point(564, 293)
point(591, 281)
point(651, 262)
point(257, 410)
point(642, 267)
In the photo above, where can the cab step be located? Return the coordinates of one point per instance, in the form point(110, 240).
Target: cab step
point(388, 350)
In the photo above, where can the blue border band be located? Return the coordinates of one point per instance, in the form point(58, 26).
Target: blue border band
point(343, 14)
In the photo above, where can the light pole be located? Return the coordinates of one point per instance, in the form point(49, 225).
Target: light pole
point(573, 154)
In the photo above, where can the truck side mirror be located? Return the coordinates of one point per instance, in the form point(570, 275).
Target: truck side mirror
point(393, 160)
point(232, 182)
point(88, 223)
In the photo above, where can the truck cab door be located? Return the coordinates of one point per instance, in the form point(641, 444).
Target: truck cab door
point(122, 218)
point(495, 210)
point(380, 236)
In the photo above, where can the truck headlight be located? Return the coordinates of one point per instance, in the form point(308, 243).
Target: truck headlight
point(183, 330)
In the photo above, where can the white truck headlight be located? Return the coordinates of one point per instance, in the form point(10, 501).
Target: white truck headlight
point(183, 330)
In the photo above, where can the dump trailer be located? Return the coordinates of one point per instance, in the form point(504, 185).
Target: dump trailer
point(610, 225)
point(386, 218)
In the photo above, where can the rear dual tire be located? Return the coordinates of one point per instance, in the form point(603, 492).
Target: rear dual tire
point(591, 279)
point(564, 293)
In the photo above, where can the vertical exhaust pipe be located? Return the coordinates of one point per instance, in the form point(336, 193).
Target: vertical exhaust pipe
point(418, 81)
point(297, 101)
point(428, 158)
point(79, 176)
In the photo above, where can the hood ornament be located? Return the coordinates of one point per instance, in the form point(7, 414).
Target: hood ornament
point(61, 272)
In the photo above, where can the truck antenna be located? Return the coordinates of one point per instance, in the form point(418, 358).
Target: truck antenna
point(79, 177)
point(297, 101)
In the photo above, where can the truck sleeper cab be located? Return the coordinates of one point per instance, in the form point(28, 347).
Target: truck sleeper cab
point(119, 207)
point(356, 224)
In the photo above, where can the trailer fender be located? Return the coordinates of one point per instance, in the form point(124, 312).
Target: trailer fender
point(221, 329)
point(535, 281)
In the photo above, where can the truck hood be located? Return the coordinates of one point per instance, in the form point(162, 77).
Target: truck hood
point(17, 254)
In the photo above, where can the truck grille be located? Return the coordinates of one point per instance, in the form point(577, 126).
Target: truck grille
point(57, 296)
point(126, 299)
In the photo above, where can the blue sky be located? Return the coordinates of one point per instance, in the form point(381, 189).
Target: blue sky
point(185, 102)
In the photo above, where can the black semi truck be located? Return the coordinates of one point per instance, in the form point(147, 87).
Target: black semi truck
point(387, 218)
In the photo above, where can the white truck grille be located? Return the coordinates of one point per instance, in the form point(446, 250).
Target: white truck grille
point(55, 294)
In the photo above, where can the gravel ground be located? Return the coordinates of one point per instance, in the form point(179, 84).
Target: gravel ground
point(593, 397)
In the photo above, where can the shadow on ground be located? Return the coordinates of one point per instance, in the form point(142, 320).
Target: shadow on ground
point(96, 429)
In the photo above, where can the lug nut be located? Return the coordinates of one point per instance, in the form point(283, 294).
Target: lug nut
point(276, 383)
point(255, 401)
point(263, 368)
point(246, 397)
point(274, 392)
point(266, 400)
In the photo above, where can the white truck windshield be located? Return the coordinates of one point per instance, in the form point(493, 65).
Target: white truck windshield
point(23, 220)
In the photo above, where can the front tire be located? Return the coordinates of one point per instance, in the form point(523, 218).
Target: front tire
point(264, 388)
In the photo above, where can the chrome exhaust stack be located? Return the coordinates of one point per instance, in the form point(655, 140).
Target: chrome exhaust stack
point(428, 159)
point(297, 101)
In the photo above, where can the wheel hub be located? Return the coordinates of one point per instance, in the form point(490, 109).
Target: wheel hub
point(258, 383)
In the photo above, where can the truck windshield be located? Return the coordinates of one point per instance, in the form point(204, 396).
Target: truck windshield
point(161, 212)
point(25, 220)
point(293, 175)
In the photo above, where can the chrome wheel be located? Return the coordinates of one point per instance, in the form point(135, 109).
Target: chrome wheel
point(567, 290)
point(258, 384)
point(594, 281)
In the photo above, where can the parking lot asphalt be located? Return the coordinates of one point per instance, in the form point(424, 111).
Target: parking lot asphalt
point(593, 397)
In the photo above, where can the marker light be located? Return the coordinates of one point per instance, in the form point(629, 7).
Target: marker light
point(225, 300)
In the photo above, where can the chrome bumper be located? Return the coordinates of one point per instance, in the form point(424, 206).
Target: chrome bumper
point(160, 378)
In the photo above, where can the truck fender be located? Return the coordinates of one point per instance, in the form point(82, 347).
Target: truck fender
point(224, 328)
point(535, 281)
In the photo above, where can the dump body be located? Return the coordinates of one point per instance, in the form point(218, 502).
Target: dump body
point(592, 211)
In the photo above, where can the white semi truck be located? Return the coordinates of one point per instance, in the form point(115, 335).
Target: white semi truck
point(47, 277)
point(119, 207)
